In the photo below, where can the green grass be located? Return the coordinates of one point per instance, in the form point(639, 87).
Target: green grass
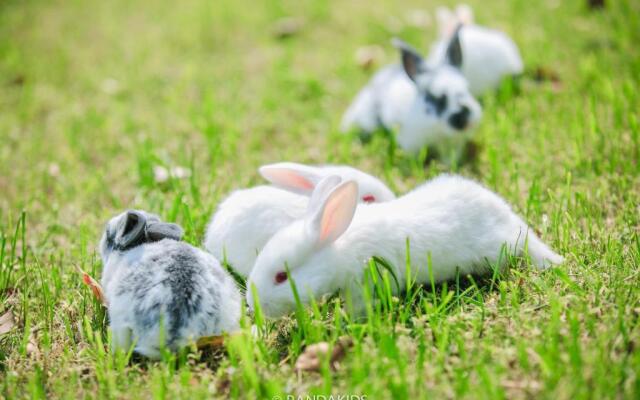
point(94, 94)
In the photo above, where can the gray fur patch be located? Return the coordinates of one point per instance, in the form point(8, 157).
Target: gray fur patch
point(188, 294)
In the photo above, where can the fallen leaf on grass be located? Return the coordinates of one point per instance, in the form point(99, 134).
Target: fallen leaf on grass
point(313, 356)
point(210, 342)
point(368, 56)
point(94, 286)
point(7, 322)
point(287, 27)
point(542, 73)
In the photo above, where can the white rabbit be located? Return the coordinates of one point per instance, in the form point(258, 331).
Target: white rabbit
point(461, 225)
point(431, 105)
point(489, 54)
point(161, 291)
point(247, 218)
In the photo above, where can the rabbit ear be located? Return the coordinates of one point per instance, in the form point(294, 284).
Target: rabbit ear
point(163, 230)
point(294, 177)
point(464, 14)
point(333, 216)
point(454, 51)
point(130, 231)
point(412, 61)
point(322, 190)
point(446, 22)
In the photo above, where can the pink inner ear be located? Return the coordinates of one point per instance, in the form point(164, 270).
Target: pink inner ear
point(334, 216)
point(328, 224)
point(289, 178)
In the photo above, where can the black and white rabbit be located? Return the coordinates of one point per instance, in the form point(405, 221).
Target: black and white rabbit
point(161, 291)
point(428, 104)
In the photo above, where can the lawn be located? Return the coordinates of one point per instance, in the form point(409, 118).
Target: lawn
point(96, 95)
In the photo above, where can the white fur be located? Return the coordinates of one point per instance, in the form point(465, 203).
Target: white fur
point(246, 220)
point(489, 54)
point(128, 320)
point(394, 101)
point(419, 129)
point(456, 221)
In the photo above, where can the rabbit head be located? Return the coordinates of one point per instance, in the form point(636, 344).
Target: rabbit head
point(443, 107)
point(302, 179)
point(304, 251)
point(133, 228)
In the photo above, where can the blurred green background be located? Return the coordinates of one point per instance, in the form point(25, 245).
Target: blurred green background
point(96, 97)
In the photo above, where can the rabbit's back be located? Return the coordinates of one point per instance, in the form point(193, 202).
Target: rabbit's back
point(456, 221)
point(383, 102)
point(174, 292)
point(246, 220)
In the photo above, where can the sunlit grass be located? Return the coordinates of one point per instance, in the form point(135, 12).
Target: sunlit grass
point(95, 95)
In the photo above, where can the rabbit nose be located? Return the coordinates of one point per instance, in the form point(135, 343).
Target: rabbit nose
point(460, 119)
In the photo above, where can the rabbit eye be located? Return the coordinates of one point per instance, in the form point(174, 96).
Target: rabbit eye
point(369, 198)
point(281, 277)
point(438, 102)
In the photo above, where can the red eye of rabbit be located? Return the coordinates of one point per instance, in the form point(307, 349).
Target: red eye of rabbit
point(368, 198)
point(281, 277)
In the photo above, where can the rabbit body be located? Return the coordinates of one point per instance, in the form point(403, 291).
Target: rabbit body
point(489, 54)
point(164, 292)
point(428, 105)
point(245, 221)
point(457, 224)
point(383, 103)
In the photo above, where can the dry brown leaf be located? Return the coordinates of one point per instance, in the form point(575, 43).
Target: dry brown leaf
point(369, 56)
point(210, 342)
point(287, 27)
point(7, 322)
point(313, 356)
point(95, 287)
point(543, 74)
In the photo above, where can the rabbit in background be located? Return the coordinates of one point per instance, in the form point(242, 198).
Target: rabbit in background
point(489, 54)
point(429, 104)
point(161, 291)
point(459, 224)
point(245, 221)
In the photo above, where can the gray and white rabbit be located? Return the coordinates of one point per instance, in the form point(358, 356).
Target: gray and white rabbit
point(162, 291)
point(452, 223)
point(245, 221)
point(429, 104)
